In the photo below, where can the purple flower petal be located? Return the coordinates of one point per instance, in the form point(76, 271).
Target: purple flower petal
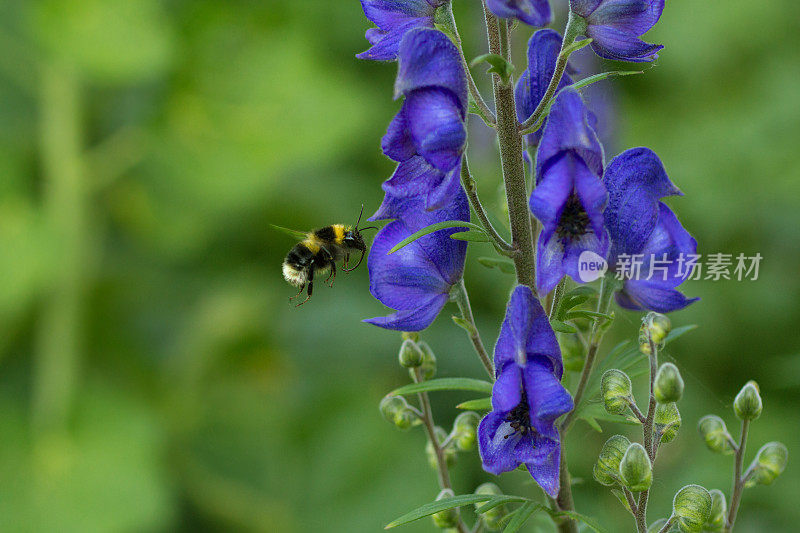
point(545, 464)
point(427, 58)
point(621, 45)
point(394, 19)
point(533, 12)
point(641, 296)
point(549, 263)
point(584, 8)
point(415, 319)
point(567, 129)
point(631, 16)
point(498, 453)
point(507, 390)
point(436, 127)
point(547, 398)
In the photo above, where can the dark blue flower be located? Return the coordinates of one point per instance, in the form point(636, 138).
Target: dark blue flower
point(527, 397)
point(431, 121)
point(569, 197)
point(615, 26)
point(416, 280)
point(534, 12)
point(639, 224)
point(394, 18)
point(543, 49)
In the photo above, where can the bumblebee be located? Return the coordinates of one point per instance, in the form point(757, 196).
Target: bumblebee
point(318, 253)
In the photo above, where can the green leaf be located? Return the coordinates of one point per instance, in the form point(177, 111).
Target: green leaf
point(439, 505)
point(522, 515)
point(582, 290)
point(464, 324)
point(594, 526)
point(621, 497)
point(574, 47)
point(679, 332)
point(447, 31)
point(438, 384)
point(506, 266)
point(497, 501)
point(291, 232)
point(498, 64)
point(562, 326)
point(592, 422)
point(591, 315)
point(430, 229)
point(481, 404)
point(585, 82)
point(472, 236)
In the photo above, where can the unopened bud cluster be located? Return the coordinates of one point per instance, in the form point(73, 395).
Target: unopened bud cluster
point(395, 409)
point(654, 330)
point(493, 518)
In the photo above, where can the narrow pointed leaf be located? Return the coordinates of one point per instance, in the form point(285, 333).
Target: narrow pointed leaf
point(439, 505)
point(574, 47)
point(439, 384)
point(585, 82)
point(498, 500)
point(430, 229)
point(506, 266)
point(562, 326)
point(472, 236)
point(291, 232)
point(481, 404)
point(523, 514)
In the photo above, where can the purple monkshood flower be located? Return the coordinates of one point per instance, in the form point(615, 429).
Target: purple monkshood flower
point(394, 18)
point(428, 134)
point(533, 12)
point(543, 49)
point(639, 223)
point(615, 26)
point(416, 280)
point(430, 122)
point(527, 397)
point(569, 197)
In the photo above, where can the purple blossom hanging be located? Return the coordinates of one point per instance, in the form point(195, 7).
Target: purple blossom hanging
point(569, 197)
point(533, 12)
point(615, 27)
point(640, 225)
point(527, 397)
point(394, 18)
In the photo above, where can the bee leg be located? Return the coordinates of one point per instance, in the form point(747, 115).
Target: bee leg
point(303, 286)
point(355, 267)
point(310, 287)
point(346, 260)
point(332, 275)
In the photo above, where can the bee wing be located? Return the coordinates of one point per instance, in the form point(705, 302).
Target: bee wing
point(294, 233)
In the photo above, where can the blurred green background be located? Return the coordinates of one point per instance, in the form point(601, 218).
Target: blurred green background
point(153, 376)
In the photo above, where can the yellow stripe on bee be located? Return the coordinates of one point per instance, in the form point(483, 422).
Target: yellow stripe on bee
point(312, 244)
point(339, 230)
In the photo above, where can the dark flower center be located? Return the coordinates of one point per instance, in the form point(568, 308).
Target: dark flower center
point(574, 222)
point(520, 417)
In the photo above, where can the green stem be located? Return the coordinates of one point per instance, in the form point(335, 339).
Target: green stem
point(738, 478)
point(668, 525)
point(430, 428)
point(647, 436)
point(65, 206)
point(575, 27)
point(462, 300)
point(512, 162)
point(472, 193)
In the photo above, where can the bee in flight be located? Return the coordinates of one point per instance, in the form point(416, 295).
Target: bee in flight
point(318, 252)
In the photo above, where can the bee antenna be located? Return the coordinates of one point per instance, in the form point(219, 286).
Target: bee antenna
point(359, 216)
point(369, 227)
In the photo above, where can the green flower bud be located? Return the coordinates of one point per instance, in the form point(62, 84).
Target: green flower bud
point(656, 526)
point(616, 389)
point(391, 405)
point(658, 327)
point(492, 517)
point(644, 341)
point(635, 468)
point(606, 469)
point(449, 452)
point(747, 404)
point(769, 464)
point(410, 355)
point(428, 366)
point(715, 434)
point(449, 517)
point(667, 421)
point(668, 385)
point(405, 419)
point(691, 508)
point(465, 430)
point(572, 352)
point(410, 335)
point(719, 509)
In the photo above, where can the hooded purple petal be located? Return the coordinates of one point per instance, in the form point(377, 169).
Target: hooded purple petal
point(436, 127)
point(413, 179)
point(615, 26)
point(568, 130)
point(620, 45)
point(633, 16)
point(526, 334)
point(543, 49)
point(635, 181)
point(547, 398)
point(415, 319)
point(427, 58)
point(533, 12)
point(394, 19)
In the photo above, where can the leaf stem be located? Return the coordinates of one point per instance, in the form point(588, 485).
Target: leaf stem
point(430, 428)
point(647, 435)
point(668, 525)
point(472, 193)
point(575, 26)
point(738, 478)
point(462, 300)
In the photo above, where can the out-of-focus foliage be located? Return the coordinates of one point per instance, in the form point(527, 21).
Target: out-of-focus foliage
point(152, 374)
